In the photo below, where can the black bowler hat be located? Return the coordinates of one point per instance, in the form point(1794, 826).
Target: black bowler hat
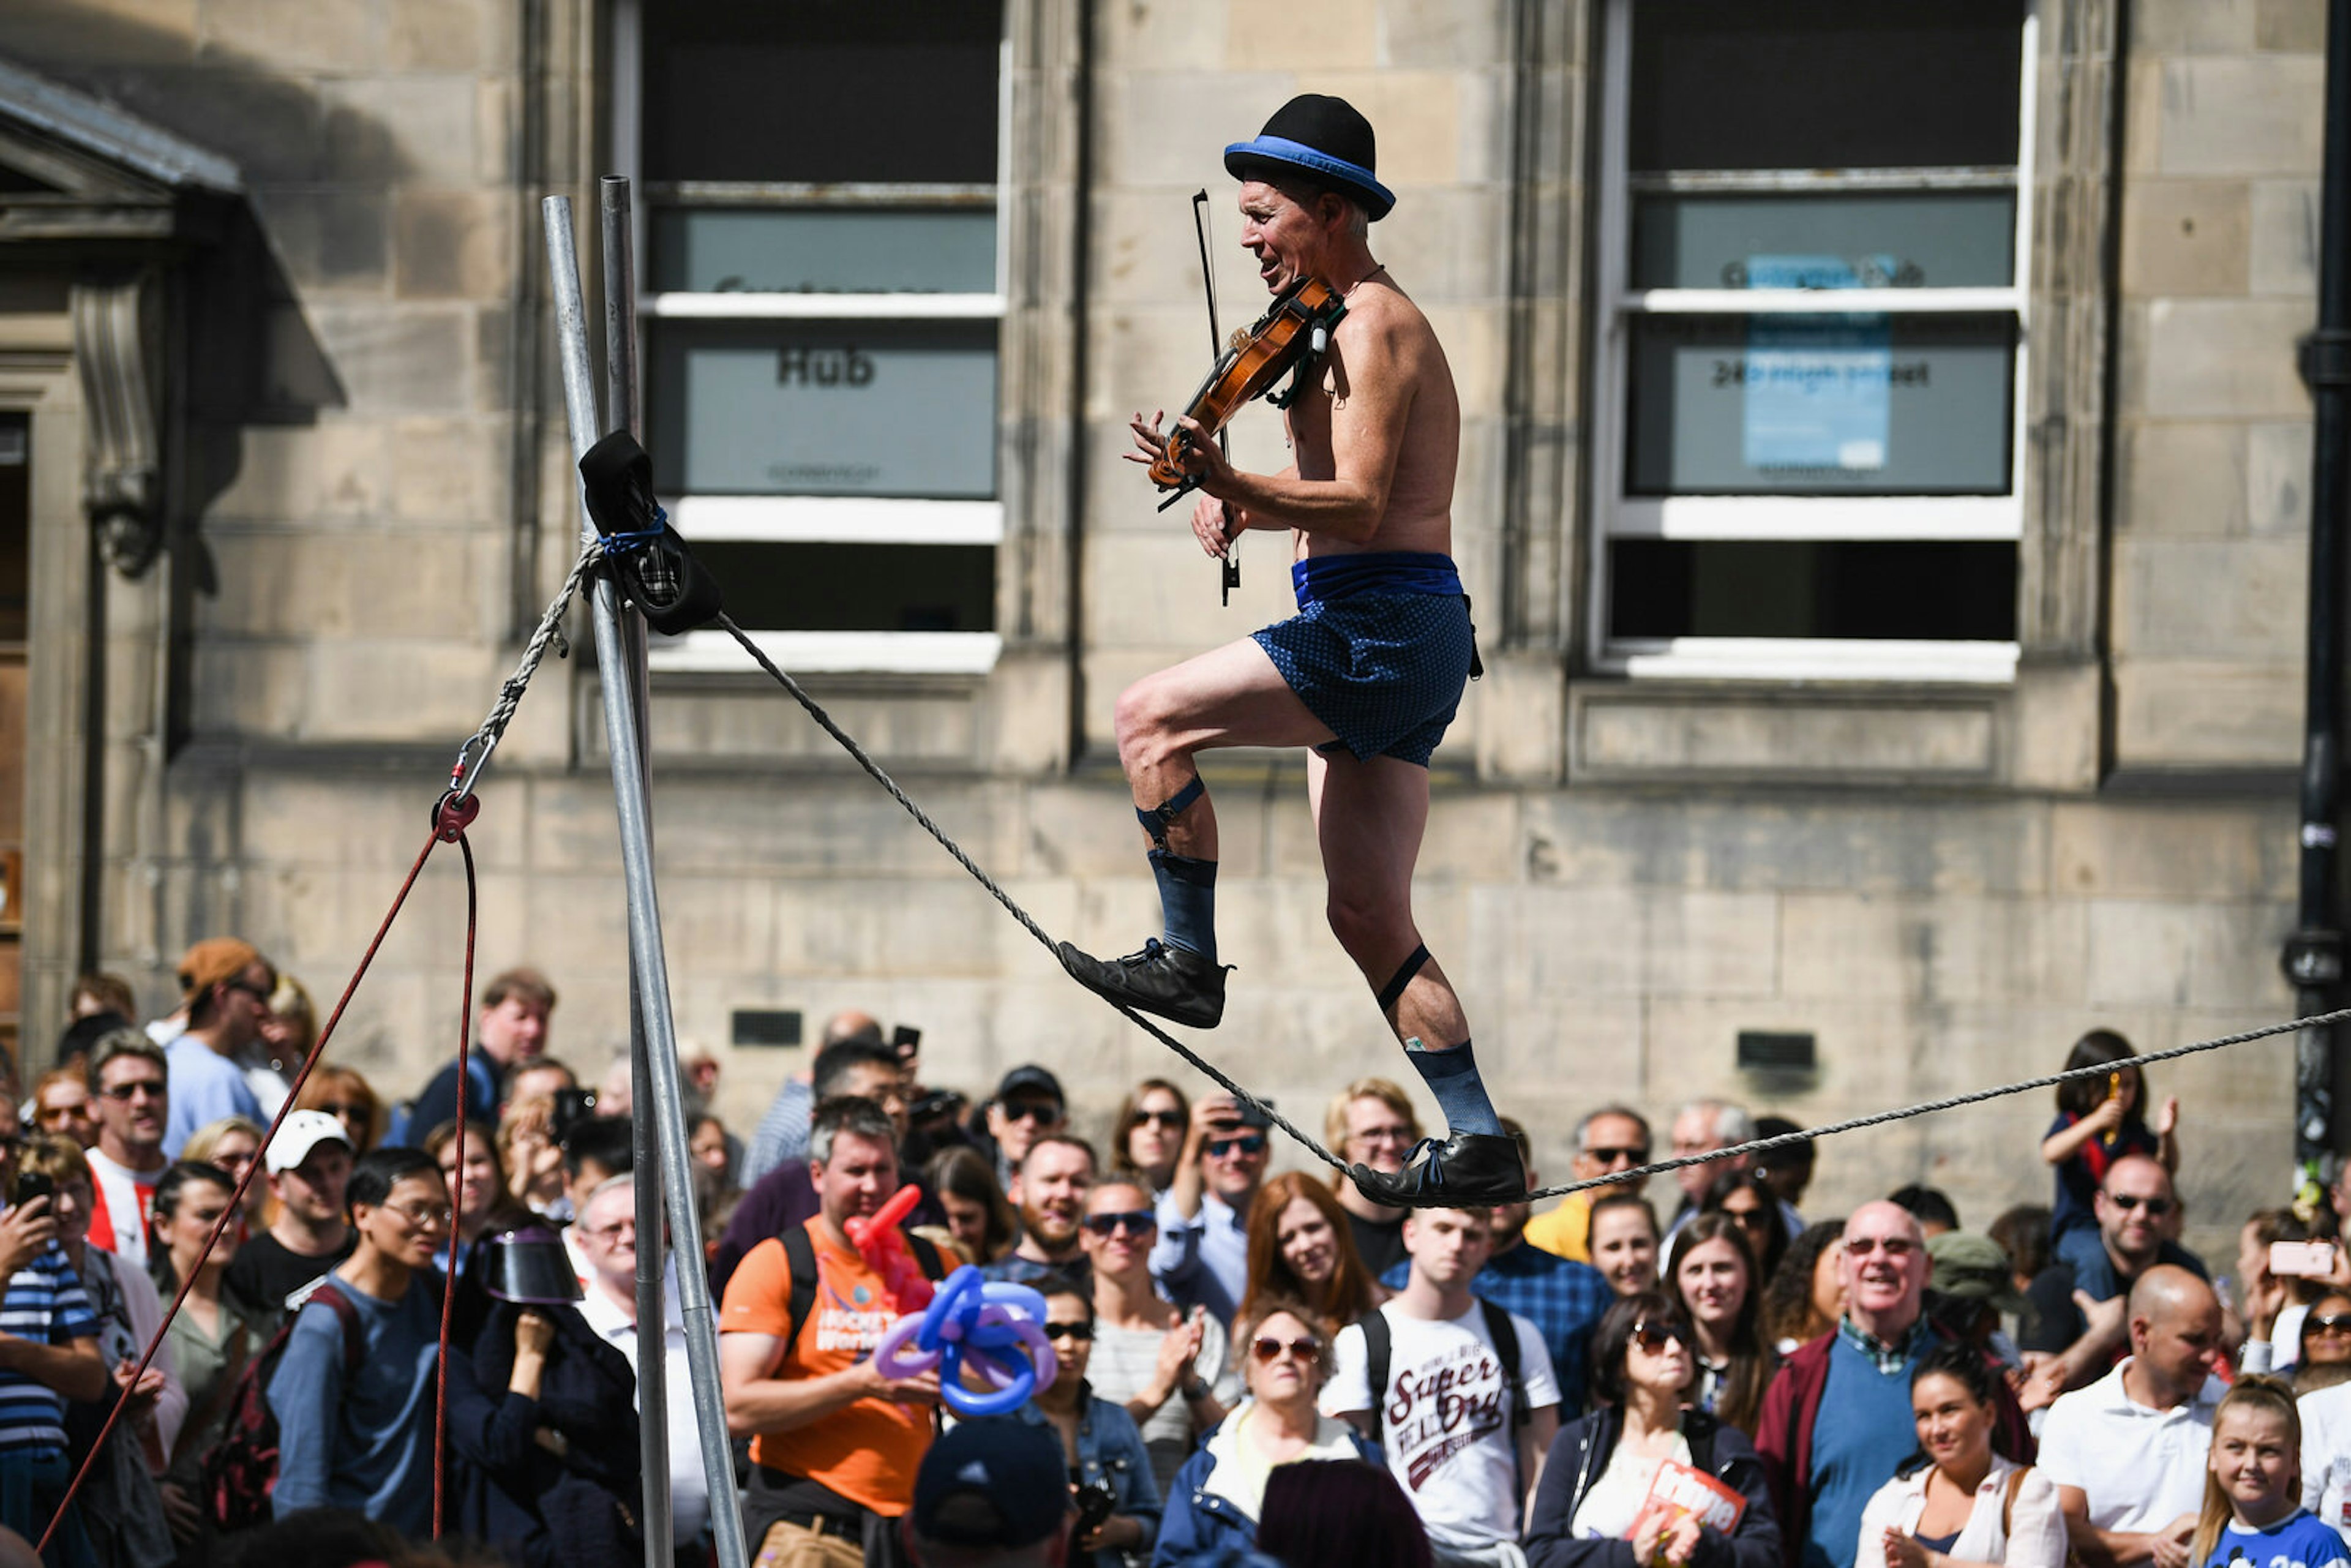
point(1322, 137)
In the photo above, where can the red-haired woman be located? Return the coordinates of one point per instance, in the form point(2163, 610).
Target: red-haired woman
point(1299, 1245)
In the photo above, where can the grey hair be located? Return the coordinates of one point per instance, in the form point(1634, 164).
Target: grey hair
point(1614, 1108)
point(1732, 1123)
point(849, 1113)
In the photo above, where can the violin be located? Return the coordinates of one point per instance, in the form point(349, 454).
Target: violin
point(1292, 336)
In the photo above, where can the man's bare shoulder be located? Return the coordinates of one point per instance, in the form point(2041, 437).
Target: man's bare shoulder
point(1379, 313)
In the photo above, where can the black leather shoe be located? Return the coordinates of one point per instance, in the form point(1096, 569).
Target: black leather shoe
point(1467, 1170)
point(1173, 982)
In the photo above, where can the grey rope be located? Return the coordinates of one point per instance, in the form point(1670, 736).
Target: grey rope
point(549, 631)
point(1757, 1146)
point(1028, 921)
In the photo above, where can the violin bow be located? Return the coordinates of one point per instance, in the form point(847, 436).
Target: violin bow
point(1232, 561)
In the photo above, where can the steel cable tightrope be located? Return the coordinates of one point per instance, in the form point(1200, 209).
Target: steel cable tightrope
point(873, 770)
point(450, 819)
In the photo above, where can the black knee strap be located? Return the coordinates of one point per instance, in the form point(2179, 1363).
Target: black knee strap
point(1157, 819)
point(1393, 992)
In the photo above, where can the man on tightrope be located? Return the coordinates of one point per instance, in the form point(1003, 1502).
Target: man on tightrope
point(1366, 676)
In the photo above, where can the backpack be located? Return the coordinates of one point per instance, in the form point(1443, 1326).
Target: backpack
point(1379, 1344)
point(800, 1253)
point(242, 1470)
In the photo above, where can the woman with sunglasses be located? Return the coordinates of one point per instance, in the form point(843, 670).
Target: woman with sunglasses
point(1600, 1468)
point(1164, 1365)
point(2325, 1341)
point(1151, 1123)
point(1713, 1278)
point(233, 1144)
point(1302, 1246)
point(1747, 1197)
point(1098, 1436)
point(1219, 1493)
point(1958, 1503)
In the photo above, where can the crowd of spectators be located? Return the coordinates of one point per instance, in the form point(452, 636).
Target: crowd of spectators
point(1257, 1366)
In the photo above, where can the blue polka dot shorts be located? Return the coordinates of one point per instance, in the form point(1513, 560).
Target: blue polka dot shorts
point(1384, 671)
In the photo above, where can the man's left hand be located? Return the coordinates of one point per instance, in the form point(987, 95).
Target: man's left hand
point(1118, 1532)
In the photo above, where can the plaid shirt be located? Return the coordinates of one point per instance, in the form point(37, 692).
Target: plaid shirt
point(1562, 1300)
point(1888, 1359)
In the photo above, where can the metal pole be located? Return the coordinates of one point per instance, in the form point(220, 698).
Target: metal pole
point(652, 1328)
point(2314, 954)
point(649, 965)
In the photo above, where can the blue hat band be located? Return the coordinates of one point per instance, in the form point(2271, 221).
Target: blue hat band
point(1281, 149)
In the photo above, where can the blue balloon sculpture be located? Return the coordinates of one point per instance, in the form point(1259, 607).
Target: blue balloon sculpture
point(995, 1328)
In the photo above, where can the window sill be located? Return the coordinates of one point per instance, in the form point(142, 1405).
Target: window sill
point(1842, 662)
point(832, 652)
point(838, 519)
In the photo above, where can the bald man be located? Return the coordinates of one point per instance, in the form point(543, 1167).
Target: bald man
point(2128, 1453)
point(1836, 1421)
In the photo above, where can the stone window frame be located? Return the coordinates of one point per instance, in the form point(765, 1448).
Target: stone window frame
point(1617, 305)
point(781, 519)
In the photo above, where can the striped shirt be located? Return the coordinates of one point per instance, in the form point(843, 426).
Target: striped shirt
point(43, 1302)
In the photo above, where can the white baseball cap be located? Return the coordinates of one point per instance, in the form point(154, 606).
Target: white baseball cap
point(304, 1131)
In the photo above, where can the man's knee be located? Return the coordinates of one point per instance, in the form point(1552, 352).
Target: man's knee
point(1141, 721)
point(1369, 922)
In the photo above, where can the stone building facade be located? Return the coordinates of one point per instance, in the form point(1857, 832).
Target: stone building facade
point(1905, 732)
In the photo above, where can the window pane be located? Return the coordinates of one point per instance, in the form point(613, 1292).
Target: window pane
point(827, 251)
point(1820, 405)
point(855, 588)
point(1925, 592)
point(821, 91)
point(789, 408)
point(1941, 239)
point(1824, 84)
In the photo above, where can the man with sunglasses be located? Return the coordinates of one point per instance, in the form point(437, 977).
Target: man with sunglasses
point(1464, 1436)
point(1202, 1258)
point(1028, 1104)
point(133, 1100)
point(1611, 1140)
point(225, 984)
point(2135, 1206)
point(1370, 1124)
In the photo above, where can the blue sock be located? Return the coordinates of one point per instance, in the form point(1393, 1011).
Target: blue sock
point(1452, 1077)
point(1187, 900)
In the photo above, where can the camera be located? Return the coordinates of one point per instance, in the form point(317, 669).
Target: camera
point(573, 1106)
point(1096, 1503)
point(31, 1185)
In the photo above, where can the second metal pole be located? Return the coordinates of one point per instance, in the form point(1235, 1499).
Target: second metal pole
point(649, 965)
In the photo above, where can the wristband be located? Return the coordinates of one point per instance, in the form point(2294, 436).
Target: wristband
point(1195, 1390)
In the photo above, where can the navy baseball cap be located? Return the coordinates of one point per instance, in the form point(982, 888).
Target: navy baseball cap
point(995, 1482)
point(1323, 137)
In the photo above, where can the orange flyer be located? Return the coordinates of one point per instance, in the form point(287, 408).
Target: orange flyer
point(1680, 1492)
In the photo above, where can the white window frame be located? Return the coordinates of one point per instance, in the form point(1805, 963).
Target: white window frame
point(822, 519)
point(1789, 517)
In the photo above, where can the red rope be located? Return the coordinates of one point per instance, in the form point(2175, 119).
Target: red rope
point(457, 1206)
point(449, 823)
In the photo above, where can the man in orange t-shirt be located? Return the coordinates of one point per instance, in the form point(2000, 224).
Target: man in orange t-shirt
point(835, 1444)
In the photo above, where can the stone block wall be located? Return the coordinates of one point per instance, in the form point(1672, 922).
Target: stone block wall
point(2211, 498)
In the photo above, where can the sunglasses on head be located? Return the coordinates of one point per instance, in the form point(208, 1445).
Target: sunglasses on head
point(1080, 1331)
point(1043, 1112)
point(1652, 1338)
point(1133, 1221)
point(1269, 1350)
point(2156, 1208)
point(1246, 1143)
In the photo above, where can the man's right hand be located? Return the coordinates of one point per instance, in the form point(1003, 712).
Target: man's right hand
point(1217, 523)
point(25, 1232)
point(870, 1384)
